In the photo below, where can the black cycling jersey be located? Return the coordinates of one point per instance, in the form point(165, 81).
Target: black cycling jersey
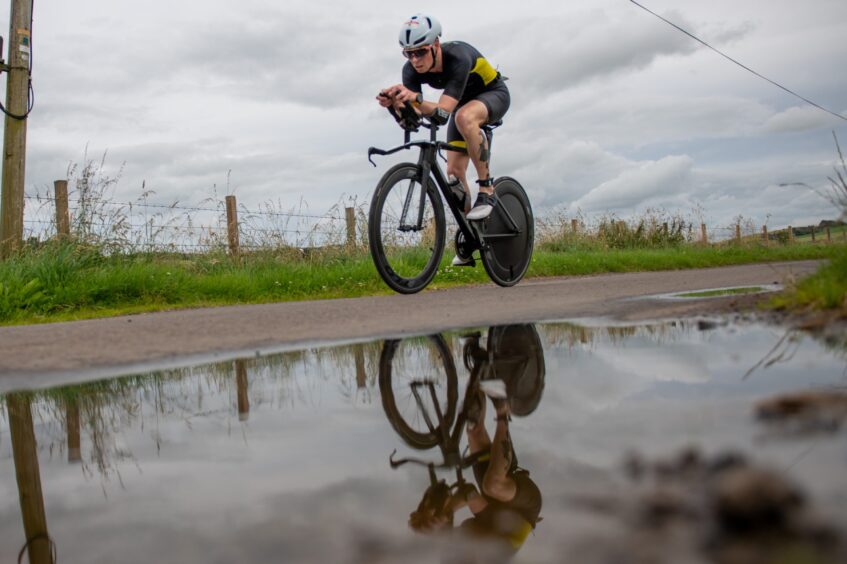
point(465, 75)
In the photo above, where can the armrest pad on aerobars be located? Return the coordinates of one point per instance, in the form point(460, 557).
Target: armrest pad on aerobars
point(440, 116)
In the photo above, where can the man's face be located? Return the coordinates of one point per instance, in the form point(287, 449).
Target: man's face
point(421, 58)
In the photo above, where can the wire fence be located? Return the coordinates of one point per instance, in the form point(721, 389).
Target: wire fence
point(150, 226)
point(221, 225)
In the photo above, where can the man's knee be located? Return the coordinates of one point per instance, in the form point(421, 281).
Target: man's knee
point(457, 171)
point(468, 121)
point(501, 488)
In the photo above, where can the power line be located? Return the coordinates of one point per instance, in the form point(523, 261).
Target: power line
point(745, 67)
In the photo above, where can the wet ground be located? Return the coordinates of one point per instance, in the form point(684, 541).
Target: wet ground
point(686, 441)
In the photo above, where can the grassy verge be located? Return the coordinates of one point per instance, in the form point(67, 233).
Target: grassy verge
point(824, 290)
point(68, 282)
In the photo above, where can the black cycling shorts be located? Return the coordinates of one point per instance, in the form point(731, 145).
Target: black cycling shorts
point(496, 101)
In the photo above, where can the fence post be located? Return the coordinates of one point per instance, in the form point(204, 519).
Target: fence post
point(241, 385)
point(704, 236)
point(665, 230)
point(361, 376)
point(232, 225)
point(63, 220)
point(575, 225)
point(72, 424)
point(790, 235)
point(738, 233)
point(813, 234)
point(350, 214)
point(765, 234)
point(828, 235)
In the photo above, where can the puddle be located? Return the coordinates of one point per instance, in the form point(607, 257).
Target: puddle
point(724, 292)
point(289, 457)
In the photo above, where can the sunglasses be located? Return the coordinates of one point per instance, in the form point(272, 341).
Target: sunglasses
point(416, 54)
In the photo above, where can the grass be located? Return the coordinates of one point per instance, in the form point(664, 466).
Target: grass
point(825, 290)
point(67, 282)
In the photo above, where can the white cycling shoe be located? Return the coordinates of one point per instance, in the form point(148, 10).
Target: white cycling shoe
point(459, 261)
point(482, 207)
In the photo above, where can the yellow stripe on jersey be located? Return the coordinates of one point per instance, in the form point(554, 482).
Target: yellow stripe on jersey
point(485, 71)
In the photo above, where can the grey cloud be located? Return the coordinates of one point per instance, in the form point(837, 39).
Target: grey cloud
point(571, 51)
point(638, 186)
point(798, 118)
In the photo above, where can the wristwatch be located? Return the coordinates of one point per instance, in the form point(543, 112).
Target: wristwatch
point(418, 99)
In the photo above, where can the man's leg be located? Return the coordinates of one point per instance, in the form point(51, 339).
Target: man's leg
point(478, 439)
point(457, 165)
point(498, 483)
point(469, 120)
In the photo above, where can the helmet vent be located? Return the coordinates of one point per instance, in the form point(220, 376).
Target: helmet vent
point(408, 35)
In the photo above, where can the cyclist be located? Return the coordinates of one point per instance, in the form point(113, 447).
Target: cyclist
point(505, 504)
point(474, 94)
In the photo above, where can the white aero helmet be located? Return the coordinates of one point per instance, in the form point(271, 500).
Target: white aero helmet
point(418, 31)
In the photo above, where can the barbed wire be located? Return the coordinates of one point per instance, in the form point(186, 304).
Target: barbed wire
point(182, 208)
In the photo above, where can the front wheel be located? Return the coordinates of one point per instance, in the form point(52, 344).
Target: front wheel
point(509, 233)
point(406, 229)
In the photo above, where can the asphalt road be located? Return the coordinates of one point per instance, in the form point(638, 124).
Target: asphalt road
point(42, 355)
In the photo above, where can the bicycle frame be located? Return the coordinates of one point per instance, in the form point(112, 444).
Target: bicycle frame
point(428, 163)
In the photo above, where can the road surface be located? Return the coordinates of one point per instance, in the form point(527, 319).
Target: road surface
point(48, 354)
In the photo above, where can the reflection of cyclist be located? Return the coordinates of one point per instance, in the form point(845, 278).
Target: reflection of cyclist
point(505, 503)
point(472, 88)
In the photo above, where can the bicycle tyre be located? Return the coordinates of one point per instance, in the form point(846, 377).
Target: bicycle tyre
point(522, 340)
point(388, 374)
point(406, 260)
point(506, 260)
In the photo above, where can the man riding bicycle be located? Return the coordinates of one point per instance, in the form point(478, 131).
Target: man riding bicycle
point(474, 95)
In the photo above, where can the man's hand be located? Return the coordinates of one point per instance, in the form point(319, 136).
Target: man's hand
point(385, 100)
point(397, 93)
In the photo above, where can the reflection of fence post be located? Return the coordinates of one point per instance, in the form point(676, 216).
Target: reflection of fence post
point(29, 479)
point(63, 220)
point(232, 225)
point(790, 234)
point(738, 233)
point(361, 377)
point(350, 216)
point(765, 235)
point(704, 237)
point(241, 384)
point(73, 430)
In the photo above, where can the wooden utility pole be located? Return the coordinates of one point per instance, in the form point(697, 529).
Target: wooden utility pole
point(14, 138)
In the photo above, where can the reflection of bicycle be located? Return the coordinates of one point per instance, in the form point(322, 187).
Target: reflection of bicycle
point(421, 400)
point(406, 224)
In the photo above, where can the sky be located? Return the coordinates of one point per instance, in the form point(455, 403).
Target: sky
point(613, 111)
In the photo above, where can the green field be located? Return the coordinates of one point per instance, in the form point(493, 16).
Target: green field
point(64, 282)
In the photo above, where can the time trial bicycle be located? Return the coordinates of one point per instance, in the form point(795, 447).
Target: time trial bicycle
point(407, 228)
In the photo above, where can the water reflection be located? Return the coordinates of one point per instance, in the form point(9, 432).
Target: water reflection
point(279, 457)
point(503, 502)
point(38, 545)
